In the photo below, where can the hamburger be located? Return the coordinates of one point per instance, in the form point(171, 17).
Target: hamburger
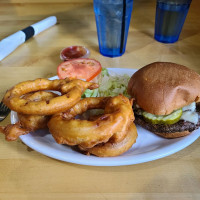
point(167, 97)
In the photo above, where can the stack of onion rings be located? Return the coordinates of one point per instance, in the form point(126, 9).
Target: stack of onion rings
point(109, 134)
point(35, 106)
point(113, 129)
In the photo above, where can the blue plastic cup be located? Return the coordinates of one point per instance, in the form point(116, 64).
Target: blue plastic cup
point(170, 17)
point(112, 22)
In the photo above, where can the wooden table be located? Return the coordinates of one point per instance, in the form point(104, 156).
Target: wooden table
point(27, 174)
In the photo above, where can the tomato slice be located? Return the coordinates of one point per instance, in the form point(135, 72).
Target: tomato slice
point(80, 68)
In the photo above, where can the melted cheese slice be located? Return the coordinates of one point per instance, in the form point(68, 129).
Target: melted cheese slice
point(189, 113)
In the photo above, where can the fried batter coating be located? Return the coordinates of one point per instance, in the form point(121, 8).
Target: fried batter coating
point(28, 123)
point(36, 122)
point(33, 122)
point(128, 120)
point(110, 149)
point(117, 115)
point(71, 94)
point(13, 131)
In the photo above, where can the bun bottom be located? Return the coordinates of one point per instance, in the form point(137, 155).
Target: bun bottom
point(174, 135)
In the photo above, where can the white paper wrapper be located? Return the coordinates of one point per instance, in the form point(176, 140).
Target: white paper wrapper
point(10, 43)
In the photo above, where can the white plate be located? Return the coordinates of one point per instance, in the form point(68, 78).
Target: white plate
point(148, 146)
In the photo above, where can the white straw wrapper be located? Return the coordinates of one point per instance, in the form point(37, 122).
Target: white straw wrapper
point(10, 43)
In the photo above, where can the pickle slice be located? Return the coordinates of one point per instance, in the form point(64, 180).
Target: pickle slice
point(163, 119)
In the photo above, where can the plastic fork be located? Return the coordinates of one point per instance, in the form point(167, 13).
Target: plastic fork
point(4, 111)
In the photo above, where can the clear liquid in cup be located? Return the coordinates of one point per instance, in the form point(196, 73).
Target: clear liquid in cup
point(112, 22)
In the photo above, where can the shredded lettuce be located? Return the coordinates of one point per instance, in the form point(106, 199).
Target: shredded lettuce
point(104, 72)
point(110, 85)
point(113, 85)
point(90, 93)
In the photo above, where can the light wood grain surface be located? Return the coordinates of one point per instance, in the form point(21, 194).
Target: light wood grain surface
point(26, 174)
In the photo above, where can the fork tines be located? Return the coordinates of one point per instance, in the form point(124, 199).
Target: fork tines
point(4, 108)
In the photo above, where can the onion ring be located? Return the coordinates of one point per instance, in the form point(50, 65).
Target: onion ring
point(117, 115)
point(28, 123)
point(35, 122)
point(110, 149)
point(72, 92)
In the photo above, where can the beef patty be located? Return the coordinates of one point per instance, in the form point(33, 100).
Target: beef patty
point(180, 126)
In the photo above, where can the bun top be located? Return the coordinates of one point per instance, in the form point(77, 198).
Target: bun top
point(162, 87)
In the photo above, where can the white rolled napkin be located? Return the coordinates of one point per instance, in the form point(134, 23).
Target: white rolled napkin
point(10, 43)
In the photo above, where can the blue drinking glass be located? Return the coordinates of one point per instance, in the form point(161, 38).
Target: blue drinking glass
point(112, 22)
point(170, 17)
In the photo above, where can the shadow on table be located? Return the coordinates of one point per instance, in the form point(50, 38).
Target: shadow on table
point(76, 22)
